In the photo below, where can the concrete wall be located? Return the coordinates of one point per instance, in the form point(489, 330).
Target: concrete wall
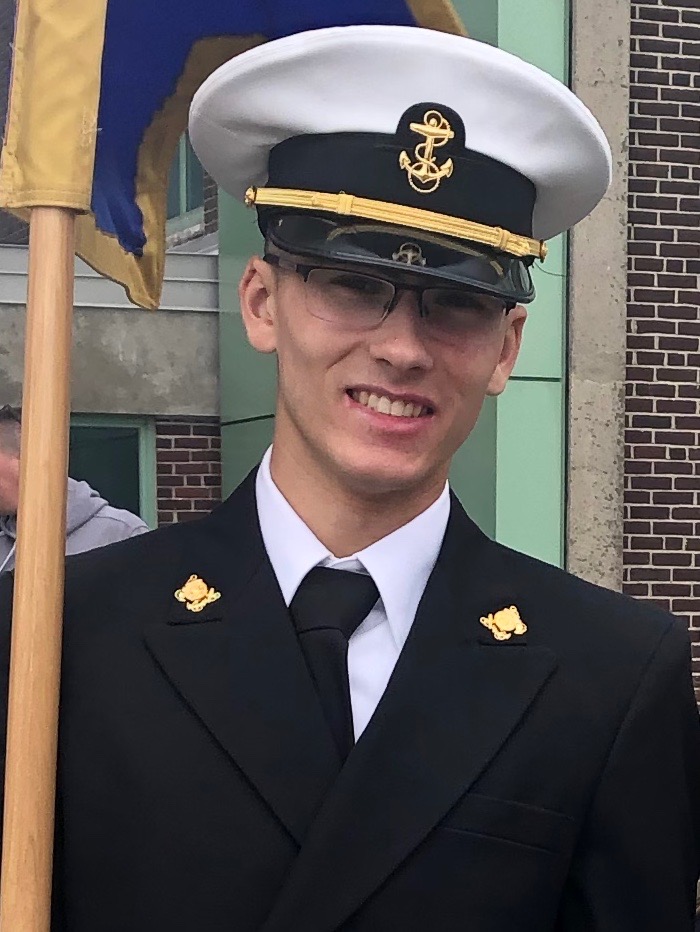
point(598, 267)
point(126, 360)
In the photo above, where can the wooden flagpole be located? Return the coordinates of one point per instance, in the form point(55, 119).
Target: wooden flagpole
point(35, 659)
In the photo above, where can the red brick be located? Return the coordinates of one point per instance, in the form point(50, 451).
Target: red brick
point(661, 14)
point(684, 31)
point(165, 482)
point(685, 575)
point(675, 406)
point(671, 559)
point(685, 605)
point(688, 482)
point(173, 429)
point(641, 28)
point(670, 469)
point(172, 456)
point(191, 443)
point(671, 589)
point(649, 574)
point(183, 469)
point(655, 483)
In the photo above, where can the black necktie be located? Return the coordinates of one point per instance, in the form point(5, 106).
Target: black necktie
point(328, 606)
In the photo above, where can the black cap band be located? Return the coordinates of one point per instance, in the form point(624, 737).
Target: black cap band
point(451, 179)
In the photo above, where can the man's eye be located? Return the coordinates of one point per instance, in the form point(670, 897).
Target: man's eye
point(355, 283)
point(460, 300)
point(463, 301)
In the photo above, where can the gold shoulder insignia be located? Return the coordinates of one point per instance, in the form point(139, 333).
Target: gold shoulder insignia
point(504, 624)
point(196, 594)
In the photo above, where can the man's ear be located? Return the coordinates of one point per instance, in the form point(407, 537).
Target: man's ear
point(257, 291)
point(512, 339)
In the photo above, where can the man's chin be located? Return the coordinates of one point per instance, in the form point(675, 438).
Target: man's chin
point(385, 478)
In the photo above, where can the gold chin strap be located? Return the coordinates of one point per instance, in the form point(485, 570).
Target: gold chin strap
point(414, 217)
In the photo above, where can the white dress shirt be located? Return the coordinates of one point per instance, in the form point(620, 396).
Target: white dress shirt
point(399, 564)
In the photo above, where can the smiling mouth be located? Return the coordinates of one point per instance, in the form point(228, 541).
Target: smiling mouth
point(384, 405)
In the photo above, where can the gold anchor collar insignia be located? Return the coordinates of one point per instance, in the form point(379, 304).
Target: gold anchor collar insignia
point(196, 594)
point(424, 174)
point(505, 623)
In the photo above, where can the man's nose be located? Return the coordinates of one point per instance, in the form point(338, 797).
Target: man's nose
point(401, 340)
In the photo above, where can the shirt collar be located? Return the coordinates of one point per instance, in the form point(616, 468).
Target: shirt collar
point(400, 563)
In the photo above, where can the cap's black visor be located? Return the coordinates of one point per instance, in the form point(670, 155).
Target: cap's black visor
point(401, 250)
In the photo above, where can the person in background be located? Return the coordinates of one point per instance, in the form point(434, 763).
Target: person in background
point(90, 520)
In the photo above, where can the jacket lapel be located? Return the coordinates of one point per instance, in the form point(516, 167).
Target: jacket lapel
point(237, 665)
point(454, 698)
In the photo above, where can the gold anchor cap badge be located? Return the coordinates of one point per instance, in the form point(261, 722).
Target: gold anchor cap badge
point(196, 594)
point(504, 624)
point(425, 175)
point(409, 253)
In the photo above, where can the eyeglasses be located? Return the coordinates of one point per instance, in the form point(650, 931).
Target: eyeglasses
point(357, 301)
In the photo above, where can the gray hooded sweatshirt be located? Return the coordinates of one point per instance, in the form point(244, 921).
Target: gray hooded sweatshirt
point(90, 522)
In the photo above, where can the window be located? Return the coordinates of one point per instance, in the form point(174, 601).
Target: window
point(185, 189)
point(116, 456)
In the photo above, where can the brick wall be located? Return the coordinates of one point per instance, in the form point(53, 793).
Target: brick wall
point(662, 482)
point(188, 465)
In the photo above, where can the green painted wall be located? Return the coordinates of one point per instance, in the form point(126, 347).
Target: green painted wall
point(510, 473)
point(528, 443)
point(247, 378)
point(481, 18)
point(531, 415)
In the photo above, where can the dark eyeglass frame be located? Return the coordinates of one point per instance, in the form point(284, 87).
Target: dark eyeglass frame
point(304, 270)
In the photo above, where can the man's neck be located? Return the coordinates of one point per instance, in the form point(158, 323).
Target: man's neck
point(345, 520)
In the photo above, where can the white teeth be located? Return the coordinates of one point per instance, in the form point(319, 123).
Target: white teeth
point(385, 405)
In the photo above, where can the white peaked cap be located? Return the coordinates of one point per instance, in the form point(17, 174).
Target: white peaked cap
point(361, 79)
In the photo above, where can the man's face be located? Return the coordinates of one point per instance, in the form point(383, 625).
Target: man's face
point(9, 483)
point(327, 371)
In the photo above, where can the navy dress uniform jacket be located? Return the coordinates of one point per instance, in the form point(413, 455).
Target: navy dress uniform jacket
point(548, 782)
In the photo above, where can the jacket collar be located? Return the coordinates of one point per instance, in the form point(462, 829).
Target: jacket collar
point(400, 563)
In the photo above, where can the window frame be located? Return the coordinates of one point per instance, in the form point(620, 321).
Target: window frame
point(188, 219)
point(146, 427)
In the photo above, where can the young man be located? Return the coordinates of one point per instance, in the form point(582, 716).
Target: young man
point(334, 704)
point(90, 520)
